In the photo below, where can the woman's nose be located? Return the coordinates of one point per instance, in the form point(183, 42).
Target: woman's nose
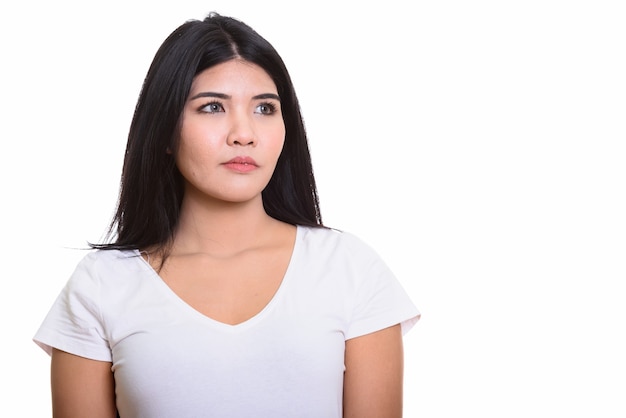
point(241, 131)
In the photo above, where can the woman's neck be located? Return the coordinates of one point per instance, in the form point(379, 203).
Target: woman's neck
point(222, 228)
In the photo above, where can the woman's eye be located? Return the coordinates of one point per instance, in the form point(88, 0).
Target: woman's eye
point(212, 108)
point(266, 108)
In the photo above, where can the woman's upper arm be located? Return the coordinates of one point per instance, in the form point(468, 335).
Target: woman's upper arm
point(374, 375)
point(81, 387)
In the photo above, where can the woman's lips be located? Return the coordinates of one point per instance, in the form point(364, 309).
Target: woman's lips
point(241, 164)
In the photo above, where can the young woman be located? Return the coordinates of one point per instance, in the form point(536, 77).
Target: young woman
point(219, 292)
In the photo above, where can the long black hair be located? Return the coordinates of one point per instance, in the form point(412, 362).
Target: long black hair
point(151, 188)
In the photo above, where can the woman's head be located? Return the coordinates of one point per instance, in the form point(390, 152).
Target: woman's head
point(151, 187)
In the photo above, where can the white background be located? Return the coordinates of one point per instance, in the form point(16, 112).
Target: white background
point(477, 145)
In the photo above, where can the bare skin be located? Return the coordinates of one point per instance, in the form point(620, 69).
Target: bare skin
point(231, 276)
point(373, 377)
point(81, 387)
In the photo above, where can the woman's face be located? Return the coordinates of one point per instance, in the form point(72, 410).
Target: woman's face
point(232, 133)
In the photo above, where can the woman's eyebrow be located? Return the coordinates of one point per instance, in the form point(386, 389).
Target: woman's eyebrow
point(211, 94)
point(267, 96)
point(226, 96)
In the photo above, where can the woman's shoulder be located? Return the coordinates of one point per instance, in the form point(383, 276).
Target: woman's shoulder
point(106, 256)
point(334, 240)
point(107, 274)
point(101, 262)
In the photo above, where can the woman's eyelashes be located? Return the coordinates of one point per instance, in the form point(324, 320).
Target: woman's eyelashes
point(212, 107)
point(265, 108)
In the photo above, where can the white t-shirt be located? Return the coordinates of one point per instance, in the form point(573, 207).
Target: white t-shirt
point(169, 360)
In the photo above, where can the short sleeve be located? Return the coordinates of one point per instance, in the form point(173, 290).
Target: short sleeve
point(380, 299)
point(74, 323)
